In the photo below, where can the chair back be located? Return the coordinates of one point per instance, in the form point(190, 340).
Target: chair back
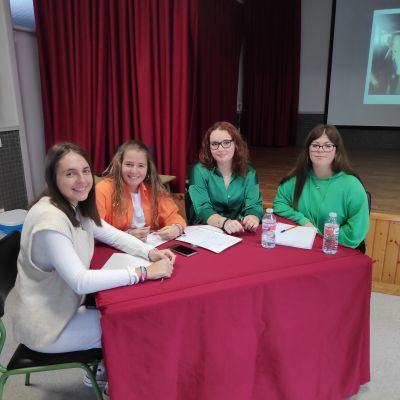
point(369, 201)
point(25, 361)
point(9, 250)
point(189, 208)
point(362, 247)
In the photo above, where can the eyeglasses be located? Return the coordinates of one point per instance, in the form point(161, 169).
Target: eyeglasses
point(225, 144)
point(326, 147)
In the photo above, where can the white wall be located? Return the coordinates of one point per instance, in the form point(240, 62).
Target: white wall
point(8, 104)
point(11, 97)
point(29, 81)
point(315, 35)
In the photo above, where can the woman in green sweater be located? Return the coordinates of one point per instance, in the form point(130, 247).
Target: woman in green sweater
point(223, 187)
point(323, 181)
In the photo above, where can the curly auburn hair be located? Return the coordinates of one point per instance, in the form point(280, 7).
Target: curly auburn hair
point(241, 156)
point(304, 164)
point(152, 180)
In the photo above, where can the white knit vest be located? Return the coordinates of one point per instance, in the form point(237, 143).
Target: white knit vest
point(43, 302)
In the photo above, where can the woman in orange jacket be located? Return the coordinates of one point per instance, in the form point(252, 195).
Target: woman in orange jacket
point(132, 198)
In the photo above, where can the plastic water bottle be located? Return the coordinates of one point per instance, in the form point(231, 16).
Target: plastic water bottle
point(331, 234)
point(268, 229)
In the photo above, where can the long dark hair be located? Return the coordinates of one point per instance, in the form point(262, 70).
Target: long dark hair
point(241, 156)
point(304, 164)
point(152, 180)
point(87, 208)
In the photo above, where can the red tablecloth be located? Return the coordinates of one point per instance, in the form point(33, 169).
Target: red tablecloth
point(247, 324)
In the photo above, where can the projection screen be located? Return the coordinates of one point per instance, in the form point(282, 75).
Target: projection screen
point(364, 86)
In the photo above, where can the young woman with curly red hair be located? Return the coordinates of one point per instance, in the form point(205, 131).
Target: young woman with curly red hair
point(223, 187)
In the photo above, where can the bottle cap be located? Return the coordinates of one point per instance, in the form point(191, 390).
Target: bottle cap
point(332, 214)
point(270, 210)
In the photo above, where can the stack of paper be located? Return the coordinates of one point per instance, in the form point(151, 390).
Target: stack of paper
point(208, 237)
point(300, 236)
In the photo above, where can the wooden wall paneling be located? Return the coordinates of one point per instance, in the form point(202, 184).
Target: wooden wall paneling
point(387, 288)
point(397, 278)
point(369, 240)
point(392, 253)
point(379, 248)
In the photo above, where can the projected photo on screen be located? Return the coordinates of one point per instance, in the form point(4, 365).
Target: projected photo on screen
point(382, 84)
point(364, 68)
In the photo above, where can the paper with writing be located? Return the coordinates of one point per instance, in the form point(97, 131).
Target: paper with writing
point(154, 240)
point(301, 237)
point(209, 238)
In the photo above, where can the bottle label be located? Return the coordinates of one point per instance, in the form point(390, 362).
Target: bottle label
point(268, 227)
point(331, 230)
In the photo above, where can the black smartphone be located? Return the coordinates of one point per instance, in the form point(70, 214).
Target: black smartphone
point(184, 250)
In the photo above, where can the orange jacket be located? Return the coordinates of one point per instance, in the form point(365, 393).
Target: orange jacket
point(167, 209)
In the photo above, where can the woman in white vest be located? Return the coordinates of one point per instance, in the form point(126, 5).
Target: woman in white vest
point(57, 246)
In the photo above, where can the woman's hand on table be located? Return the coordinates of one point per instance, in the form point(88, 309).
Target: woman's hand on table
point(309, 224)
point(169, 232)
point(250, 223)
point(163, 265)
point(155, 255)
point(160, 269)
point(233, 226)
point(140, 233)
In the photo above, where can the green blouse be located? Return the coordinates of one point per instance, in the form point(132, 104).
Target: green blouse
point(210, 196)
point(341, 193)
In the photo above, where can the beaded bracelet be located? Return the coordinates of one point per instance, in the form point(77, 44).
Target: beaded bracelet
point(143, 273)
point(223, 225)
point(133, 276)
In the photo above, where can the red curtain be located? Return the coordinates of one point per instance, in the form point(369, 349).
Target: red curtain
point(73, 68)
point(151, 77)
point(272, 69)
point(112, 70)
point(220, 38)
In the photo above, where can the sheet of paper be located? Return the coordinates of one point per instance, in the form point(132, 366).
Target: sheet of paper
point(209, 238)
point(301, 236)
point(154, 240)
point(211, 228)
point(121, 260)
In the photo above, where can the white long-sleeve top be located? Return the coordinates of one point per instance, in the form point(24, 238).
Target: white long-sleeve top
point(53, 271)
point(52, 250)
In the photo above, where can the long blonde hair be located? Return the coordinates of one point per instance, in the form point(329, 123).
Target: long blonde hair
point(152, 180)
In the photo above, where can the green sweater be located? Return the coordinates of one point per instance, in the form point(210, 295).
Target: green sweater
point(209, 195)
point(341, 193)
